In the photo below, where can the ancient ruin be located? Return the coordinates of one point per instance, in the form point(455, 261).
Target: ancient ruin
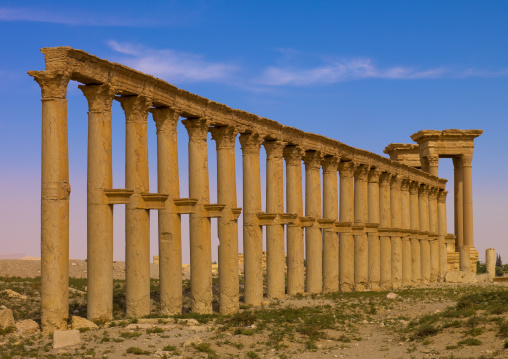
point(383, 227)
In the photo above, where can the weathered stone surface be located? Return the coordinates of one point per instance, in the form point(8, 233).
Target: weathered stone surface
point(27, 326)
point(6, 319)
point(12, 294)
point(392, 296)
point(78, 323)
point(65, 338)
point(460, 277)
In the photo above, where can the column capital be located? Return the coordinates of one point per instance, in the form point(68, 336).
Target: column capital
point(384, 179)
point(362, 172)
point(433, 160)
point(396, 182)
point(100, 97)
point(457, 163)
point(312, 159)
point(441, 196)
point(293, 155)
point(166, 119)
point(346, 169)
point(135, 107)
point(53, 84)
point(467, 158)
point(197, 128)
point(405, 184)
point(330, 164)
point(433, 191)
point(250, 143)
point(414, 187)
point(224, 136)
point(274, 148)
point(423, 190)
point(374, 174)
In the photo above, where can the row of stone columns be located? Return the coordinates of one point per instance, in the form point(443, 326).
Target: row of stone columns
point(376, 231)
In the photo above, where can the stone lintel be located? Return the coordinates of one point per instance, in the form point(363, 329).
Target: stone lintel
point(213, 210)
point(118, 195)
point(185, 205)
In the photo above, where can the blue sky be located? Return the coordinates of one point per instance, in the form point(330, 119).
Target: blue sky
point(366, 73)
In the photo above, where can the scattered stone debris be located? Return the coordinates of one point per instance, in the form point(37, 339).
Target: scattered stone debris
point(12, 294)
point(27, 326)
point(392, 296)
point(82, 323)
point(6, 319)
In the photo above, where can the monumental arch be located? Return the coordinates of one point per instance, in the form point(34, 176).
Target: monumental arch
point(368, 222)
point(457, 145)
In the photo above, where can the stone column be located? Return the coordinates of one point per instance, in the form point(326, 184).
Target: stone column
point(275, 233)
point(346, 214)
point(199, 231)
point(373, 237)
point(407, 273)
point(99, 212)
point(170, 242)
point(433, 243)
point(137, 219)
point(433, 164)
point(252, 233)
point(416, 266)
point(423, 209)
point(396, 224)
point(313, 239)
point(442, 232)
point(490, 262)
point(458, 199)
point(330, 211)
point(294, 204)
point(468, 204)
point(361, 213)
point(55, 192)
point(384, 226)
point(225, 137)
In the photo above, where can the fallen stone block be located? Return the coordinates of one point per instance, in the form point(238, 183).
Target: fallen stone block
point(27, 326)
point(392, 296)
point(6, 319)
point(460, 277)
point(12, 294)
point(65, 338)
point(82, 323)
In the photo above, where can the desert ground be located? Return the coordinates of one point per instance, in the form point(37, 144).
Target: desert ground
point(442, 321)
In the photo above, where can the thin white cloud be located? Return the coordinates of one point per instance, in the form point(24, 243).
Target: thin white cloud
point(174, 66)
point(61, 17)
point(344, 70)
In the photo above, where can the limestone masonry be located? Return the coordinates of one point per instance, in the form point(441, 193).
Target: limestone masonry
point(383, 227)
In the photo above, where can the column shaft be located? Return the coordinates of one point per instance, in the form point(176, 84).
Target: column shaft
point(313, 238)
point(330, 238)
point(294, 204)
point(346, 214)
point(433, 243)
point(416, 267)
point(225, 137)
point(252, 233)
point(55, 191)
point(442, 232)
point(373, 237)
point(275, 233)
point(199, 231)
point(468, 203)
point(396, 224)
point(170, 243)
point(384, 225)
point(361, 212)
point(407, 274)
point(458, 190)
point(99, 212)
point(423, 207)
point(137, 219)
